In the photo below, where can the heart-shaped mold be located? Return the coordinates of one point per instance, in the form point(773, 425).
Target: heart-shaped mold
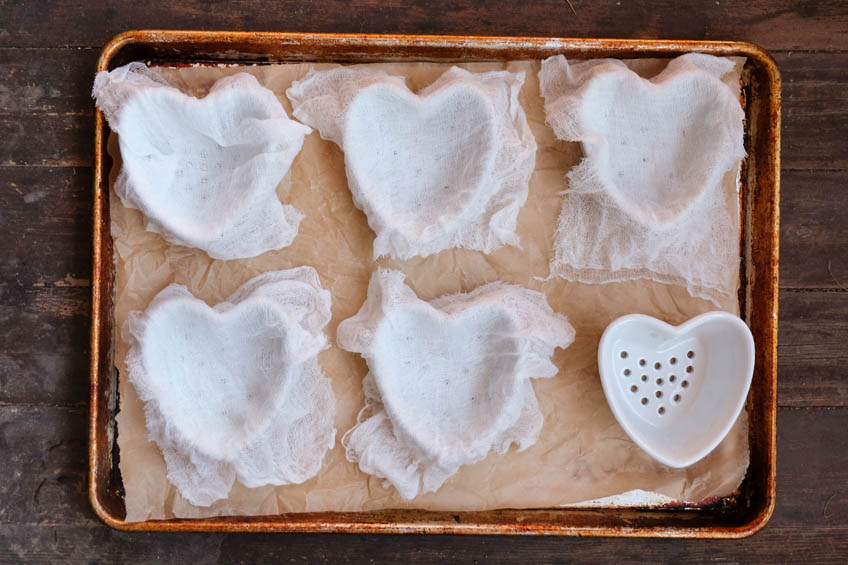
point(235, 390)
point(653, 146)
point(442, 181)
point(656, 195)
point(449, 379)
point(219, 375)
point(203, 171)
point(446, 167)
point(677, 391)
point(465, 388)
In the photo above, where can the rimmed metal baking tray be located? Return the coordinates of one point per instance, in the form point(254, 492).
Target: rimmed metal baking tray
point(739, 515)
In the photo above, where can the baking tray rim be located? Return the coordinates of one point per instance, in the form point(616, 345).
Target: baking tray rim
point(451, 522)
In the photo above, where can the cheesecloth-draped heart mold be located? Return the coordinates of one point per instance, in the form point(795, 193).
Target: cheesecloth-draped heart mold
point(447, 167)
point(449, 379)
point(203, 171)
point(656, 194)
point(235, 391)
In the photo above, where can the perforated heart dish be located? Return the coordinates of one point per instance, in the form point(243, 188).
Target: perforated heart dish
point(677, 391)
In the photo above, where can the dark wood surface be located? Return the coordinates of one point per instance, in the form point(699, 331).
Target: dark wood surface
point(47, 56)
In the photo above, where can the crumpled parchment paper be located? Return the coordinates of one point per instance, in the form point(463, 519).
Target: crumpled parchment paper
point(582, 453)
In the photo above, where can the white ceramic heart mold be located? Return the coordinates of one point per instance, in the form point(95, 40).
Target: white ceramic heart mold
point(449, 379)
point(235, 391)
point(677, 391)
point(656, 194)
point(203, 171)
point(447, 167)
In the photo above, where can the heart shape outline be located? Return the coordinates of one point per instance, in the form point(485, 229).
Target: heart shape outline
point(247, 416)
point(720, 341)
point(452, 209)
point(241, 136)
point(322, 99)
point(587, 83)
point(288, 446)
point(412, 421)
point(412, 461)
point(292, 308)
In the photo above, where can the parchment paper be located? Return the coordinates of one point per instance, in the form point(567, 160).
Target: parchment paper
point(582, 453)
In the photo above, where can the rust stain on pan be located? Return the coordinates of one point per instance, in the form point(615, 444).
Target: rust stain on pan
point(735, 516)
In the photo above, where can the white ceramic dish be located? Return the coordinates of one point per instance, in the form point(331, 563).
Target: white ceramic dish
point(677, 391)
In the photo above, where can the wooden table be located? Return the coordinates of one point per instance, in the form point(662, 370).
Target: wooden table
point(47, 56)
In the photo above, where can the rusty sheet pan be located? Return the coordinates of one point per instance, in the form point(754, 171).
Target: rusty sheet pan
point(739, 515)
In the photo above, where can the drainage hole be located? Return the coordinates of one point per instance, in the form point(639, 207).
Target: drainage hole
point(624, 355)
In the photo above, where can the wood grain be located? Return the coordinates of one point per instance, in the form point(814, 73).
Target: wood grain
point(47, 140)
point(45, 216)
point(46, 81)
point(812, 352)
point(46, 449)
point(44, 337)
point(46, 219)
point(815, 110)
point(777, 24)
point(814, 230)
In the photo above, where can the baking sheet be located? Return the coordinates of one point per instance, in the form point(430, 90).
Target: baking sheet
point(582, 454)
